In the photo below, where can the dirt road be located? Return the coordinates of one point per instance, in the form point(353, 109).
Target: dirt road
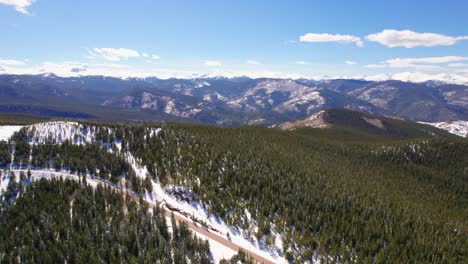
point(191, 225)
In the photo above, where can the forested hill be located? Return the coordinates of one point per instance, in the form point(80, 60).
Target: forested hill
point(101, 226)
point(303, 195)
point(355, 123)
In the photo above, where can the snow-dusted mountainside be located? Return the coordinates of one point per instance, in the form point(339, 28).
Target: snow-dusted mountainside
point(162, 103)
point(227, 101)
point(459, 128)
point(281, 95)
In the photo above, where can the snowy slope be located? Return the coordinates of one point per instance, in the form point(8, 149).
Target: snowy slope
point(7, 131)
point(37, 175)
point(459, 128)
point(198, 213)
point(57, 132)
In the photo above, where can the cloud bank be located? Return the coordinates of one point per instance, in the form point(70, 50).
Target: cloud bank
point(424, 64)
point(11, 62)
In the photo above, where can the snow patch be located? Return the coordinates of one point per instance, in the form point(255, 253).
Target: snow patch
point(459, 128)
point(57, 132)
point(7, 131)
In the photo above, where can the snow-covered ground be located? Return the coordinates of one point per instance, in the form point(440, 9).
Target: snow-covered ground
point(7, 131)
point(459, 128)
point(196, 212)
point(56, 132)
point(218, 250)
point(37, 175)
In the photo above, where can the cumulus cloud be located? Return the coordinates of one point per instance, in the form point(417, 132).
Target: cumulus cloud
point(155, 57)
point(302, 62)
point(325, 37)
point(350, 62)
point(11, 62)
point(114, 54)
point(20, 5)
point(212, 63)
point(410, 39)
point(253, 62)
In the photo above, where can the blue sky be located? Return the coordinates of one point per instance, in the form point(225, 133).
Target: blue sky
point(290, 38)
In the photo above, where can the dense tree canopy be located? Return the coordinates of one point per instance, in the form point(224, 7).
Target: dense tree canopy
point(61, 221)
point(355, 198)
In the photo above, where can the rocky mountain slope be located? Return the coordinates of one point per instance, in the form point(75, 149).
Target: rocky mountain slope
point(226, 101)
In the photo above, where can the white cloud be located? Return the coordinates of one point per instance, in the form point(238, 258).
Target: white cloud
point(410, 62)
point(302, 62)
point(458, 65)
point(68, 69)
point(145, 54)
point(11, 62)
point(212, 63)
point(350, 62)
point(419, 77)
point(155, 57)
point(253, 62)
point(114, 54)
point(423, 64)
point(325, 37)
point(112, 65)
point(20, 5)
point(410, 39)
point(376, 66)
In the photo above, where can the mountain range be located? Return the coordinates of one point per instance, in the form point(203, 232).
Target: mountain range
point(226, 101)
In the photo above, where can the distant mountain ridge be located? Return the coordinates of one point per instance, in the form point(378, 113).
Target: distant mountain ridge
point(227, 101)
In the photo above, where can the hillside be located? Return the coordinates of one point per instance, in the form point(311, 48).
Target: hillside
point(90, 225)
point(372, 197)
point(355, 122)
